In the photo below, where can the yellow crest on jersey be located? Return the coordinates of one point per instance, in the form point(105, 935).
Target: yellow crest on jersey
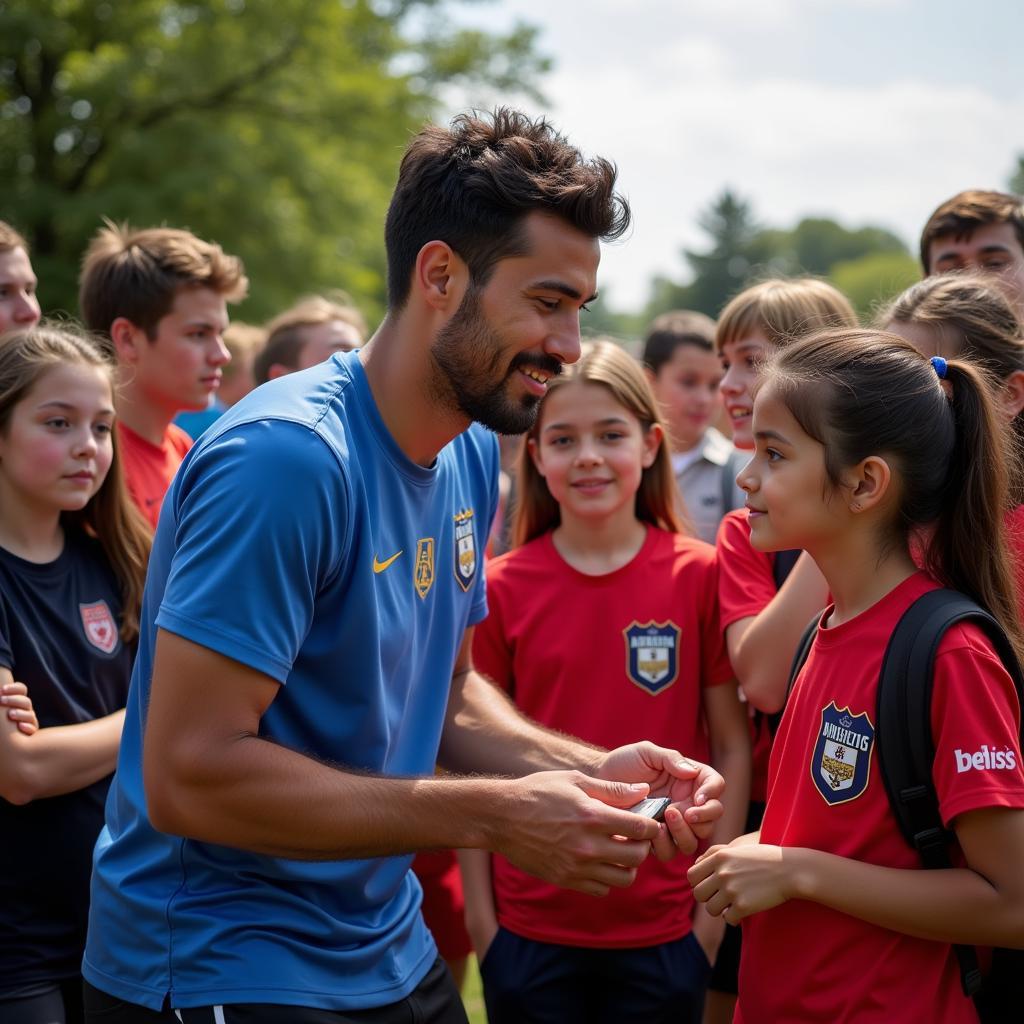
point(423, 571)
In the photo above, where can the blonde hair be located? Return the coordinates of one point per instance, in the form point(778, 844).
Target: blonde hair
point(657, 501)
point(783, 309)
point(285, 338)
point(135, 274)
point(241, 340)
point(110, 516)
point(11, 239)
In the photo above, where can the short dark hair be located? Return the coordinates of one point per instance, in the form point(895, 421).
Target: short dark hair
point(670, 330)
point(471, 184)
point(967, 211)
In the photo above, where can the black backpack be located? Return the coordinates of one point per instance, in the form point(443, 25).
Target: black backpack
point(903, 736)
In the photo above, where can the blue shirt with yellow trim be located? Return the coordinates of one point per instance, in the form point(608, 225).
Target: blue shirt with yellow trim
point(298, 539)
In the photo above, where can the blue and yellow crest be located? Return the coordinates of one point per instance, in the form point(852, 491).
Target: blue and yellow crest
point(841, 762)
point(652, 654)
point(465, 548)
point(423, 570)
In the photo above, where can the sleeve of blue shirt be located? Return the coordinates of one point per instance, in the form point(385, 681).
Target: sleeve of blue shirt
point(260, 525)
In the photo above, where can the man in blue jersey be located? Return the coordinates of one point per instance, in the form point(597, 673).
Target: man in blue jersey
point(304, 660)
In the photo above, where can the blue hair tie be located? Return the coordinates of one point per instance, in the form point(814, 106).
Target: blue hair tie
point(940, 366)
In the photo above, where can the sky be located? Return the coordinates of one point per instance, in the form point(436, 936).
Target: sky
point(865, 111)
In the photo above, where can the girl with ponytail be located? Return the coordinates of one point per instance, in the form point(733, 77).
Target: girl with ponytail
point(868, 454)
point(966, 316)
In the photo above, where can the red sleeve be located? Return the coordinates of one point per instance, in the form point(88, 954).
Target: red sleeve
point(745, 579)
point(715, 666)
point(492, 648)
point(181, 442)
point(976, 725)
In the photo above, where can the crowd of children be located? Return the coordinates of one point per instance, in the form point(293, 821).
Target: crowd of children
point(674, 523)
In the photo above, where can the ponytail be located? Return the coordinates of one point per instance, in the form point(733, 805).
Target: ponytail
point(863, 393)
point(968, 548)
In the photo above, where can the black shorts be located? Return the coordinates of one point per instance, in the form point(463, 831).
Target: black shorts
point(59, 1004)
point(529, 982)
point(435, 1000)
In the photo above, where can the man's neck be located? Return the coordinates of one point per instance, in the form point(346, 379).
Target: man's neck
point(396, 362)
point(141, 415)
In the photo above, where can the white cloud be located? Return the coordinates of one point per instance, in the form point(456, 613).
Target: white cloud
point(885, 154)
point(685, 107)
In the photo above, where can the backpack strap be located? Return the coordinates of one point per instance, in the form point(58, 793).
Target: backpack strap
point(903, 728)
point(803, 651)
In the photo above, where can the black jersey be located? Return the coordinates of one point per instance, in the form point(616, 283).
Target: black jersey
point(60, 635)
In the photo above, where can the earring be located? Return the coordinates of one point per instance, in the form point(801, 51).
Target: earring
point(855, 507)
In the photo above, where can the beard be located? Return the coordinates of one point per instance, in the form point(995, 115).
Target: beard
point(467, 357)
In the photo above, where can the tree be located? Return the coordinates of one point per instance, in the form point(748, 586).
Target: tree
point(870, 282)
point(1017, 180)
point(866, 259)
point(720, 271)
point(272, 126)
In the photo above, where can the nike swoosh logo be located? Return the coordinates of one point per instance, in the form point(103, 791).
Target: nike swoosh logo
point(381, 566)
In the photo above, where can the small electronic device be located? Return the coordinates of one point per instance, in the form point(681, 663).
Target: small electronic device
point(652, 807)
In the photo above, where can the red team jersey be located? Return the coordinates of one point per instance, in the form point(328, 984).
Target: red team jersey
point(746, 583)
point(802, 961)
point(149, 469)
point(611, 659)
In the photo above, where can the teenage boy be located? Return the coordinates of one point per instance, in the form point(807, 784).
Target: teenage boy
point(685, 372)
point(19, 306)
point(305, 654)
point(980, 231)
point(310, 332)
point(160, 295)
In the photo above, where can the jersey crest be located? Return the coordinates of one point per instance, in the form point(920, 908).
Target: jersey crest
point(652, 654)
point(99, 626)
point(841, 762)
point(423, 571)
point(465, 549)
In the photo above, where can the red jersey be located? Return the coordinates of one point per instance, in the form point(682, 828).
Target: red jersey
point(746, 583)
point(149, 468)
point(611, 659)
point(803, 961)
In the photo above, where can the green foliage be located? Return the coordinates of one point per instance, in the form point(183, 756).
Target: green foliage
point(872, 281)
point(272, 126)
point(741, 252)
point(1017, 179)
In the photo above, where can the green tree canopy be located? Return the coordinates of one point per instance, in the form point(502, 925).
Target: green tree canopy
point(271, 126)
point(1017, 179)
point(867, 259)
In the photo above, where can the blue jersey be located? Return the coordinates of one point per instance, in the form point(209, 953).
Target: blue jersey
point(298, 539)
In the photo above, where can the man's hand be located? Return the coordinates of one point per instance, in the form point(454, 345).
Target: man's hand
point(693, 788)
point(573, 830)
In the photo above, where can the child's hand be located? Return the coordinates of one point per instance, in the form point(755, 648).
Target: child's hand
point(737, 881)
point(14, 697)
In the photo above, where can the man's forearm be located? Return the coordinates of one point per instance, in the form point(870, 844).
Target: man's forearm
point(259, 796)
point(485, 732)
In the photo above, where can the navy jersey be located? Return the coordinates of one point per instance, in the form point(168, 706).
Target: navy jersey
point(60, 635)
